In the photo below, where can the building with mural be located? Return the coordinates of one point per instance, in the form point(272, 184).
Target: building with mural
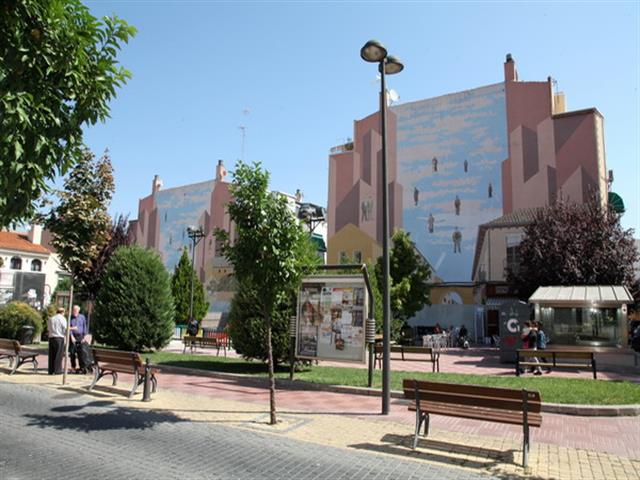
point(166, 214)
point(457, 163)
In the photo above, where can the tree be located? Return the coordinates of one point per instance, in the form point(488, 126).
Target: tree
point(574, 244)
point(14, 316)
point(269, 252)
point(134, 309)
point(409, 280)
point(58, 73)
point(80, 225)
point(183, 274)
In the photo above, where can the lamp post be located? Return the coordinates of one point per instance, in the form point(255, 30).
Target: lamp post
point(195, 234)
point(374, 52)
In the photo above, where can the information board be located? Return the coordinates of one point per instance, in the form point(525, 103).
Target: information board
point(331, 318)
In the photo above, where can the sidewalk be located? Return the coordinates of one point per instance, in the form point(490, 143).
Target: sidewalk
point(565, 447)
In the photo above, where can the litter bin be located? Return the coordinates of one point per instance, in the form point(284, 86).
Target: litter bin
point(26, 335)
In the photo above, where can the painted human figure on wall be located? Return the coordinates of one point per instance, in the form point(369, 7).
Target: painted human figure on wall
point(434, 162)
point(456, 204)
point(430, 222)
point(490, 190)
point(466, 166)
point(366, 207)
point(457, 241)
point(416, 195)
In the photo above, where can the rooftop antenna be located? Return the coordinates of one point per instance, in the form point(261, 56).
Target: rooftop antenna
point(243, 128)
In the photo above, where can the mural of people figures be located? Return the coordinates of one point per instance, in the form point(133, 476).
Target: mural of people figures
point(363, 209)
point(434, 162)
point(457, 241)
point(430, 222)
point(490, 190)
point(456, 204)
point(466, 166)
point(416, 195)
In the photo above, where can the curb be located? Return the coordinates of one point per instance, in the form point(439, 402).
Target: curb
point(557, 408)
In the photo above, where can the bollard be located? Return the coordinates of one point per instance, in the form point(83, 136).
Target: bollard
point(146, 395)
point(292, 346)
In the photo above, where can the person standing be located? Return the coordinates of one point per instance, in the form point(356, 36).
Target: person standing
point(57, 326)
point(542, 343)
point(78, 328)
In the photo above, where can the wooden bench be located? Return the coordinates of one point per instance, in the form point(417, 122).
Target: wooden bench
point(430, 355)
point(17, 355)
point(548, 358)
point(112, 362)
point(501, 405)
point(214, 340)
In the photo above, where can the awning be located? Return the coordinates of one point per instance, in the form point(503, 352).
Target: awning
point(615, 202)
point(319, 242)
point(582, 296)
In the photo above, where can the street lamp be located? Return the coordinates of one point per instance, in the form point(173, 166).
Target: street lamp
point(195, 234)
point(374, 52)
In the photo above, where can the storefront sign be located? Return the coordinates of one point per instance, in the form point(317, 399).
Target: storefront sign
point(331, 319)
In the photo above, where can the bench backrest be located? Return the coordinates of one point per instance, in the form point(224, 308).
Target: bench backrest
point(472, 395)
point(585, 354)
point(8, 344)
point(118, 357)
point(398, 348)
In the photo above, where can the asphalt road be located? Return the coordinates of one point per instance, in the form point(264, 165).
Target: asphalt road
point(46, 434)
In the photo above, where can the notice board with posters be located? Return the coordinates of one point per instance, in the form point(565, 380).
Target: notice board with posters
point(331, 318)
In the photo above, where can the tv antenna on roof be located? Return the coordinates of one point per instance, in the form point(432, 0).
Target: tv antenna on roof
point(243, 128)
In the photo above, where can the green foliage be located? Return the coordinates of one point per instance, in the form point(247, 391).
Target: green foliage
point(15, 315)
point(572, 244)
point(409, 280)
point(80, 224)
point(181, 290)
point(134, 309)
point(247, 328)
point(58, 73)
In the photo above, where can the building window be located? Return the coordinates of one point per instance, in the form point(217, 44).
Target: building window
point(512, 260)
point(344, 258)
point(16, 263)
point(357, 256)
point(36, 265)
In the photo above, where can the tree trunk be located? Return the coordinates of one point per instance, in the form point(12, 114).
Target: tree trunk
point(272, 380)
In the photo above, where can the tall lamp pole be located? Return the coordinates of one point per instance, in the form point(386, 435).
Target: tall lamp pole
point(374, 52)
point(195, 234)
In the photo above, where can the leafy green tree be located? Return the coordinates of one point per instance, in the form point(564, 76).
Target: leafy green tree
point(183, 274)
point(134, 309)
point(409, 283)
point(269, 253)
point(574, 244)
point(58, 73)
point(14, 316)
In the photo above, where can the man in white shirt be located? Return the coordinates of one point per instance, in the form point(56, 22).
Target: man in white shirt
point(57, 330)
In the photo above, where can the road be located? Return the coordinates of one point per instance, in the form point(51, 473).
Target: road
point(45, 434)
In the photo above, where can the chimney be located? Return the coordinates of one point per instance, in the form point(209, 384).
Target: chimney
point(510, 72)
point(221, 172)
point(35, 234)
point(156, 185)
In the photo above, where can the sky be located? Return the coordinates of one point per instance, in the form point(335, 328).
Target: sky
point(290, 73)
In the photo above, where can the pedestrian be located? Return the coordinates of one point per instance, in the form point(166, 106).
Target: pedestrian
point(57, 326)
point(543, 339)
point(78, 329)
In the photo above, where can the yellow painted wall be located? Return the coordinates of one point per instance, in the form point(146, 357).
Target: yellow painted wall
point(349, 240)
point(439, 293)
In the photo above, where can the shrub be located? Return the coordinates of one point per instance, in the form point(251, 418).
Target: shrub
point(14, 316)
point(248, 331)
point(134, 308)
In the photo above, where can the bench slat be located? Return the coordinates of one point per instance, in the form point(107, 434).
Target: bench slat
point(534, 419)
point(463, 402)
point(587, 355)
point(407, 384)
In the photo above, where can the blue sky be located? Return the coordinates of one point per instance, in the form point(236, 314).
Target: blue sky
point(198, 65)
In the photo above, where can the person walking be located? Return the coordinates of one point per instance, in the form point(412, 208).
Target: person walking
point(78, 328)
point(57, 326)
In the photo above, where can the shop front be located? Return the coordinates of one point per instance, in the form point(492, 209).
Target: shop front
point(592, 316)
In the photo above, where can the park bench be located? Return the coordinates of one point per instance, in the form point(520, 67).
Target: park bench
point(17, 355)
point(500, 405)
point(112, 362)
point(551, 358)
point(213, 340)
point(428, 354)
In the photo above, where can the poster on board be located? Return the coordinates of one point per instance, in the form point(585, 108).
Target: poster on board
point(331, 318)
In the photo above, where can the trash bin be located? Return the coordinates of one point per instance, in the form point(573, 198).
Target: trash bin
point(26, 335)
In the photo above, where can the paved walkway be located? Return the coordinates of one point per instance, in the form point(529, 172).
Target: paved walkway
point(565, 447)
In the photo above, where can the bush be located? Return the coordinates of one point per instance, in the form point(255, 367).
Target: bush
point(134, 308)
point(14, 316)
point(248, 331)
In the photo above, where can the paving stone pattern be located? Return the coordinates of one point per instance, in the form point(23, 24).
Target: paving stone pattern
point(47, 434)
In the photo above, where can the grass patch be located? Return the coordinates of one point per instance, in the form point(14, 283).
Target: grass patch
point(552, 389)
